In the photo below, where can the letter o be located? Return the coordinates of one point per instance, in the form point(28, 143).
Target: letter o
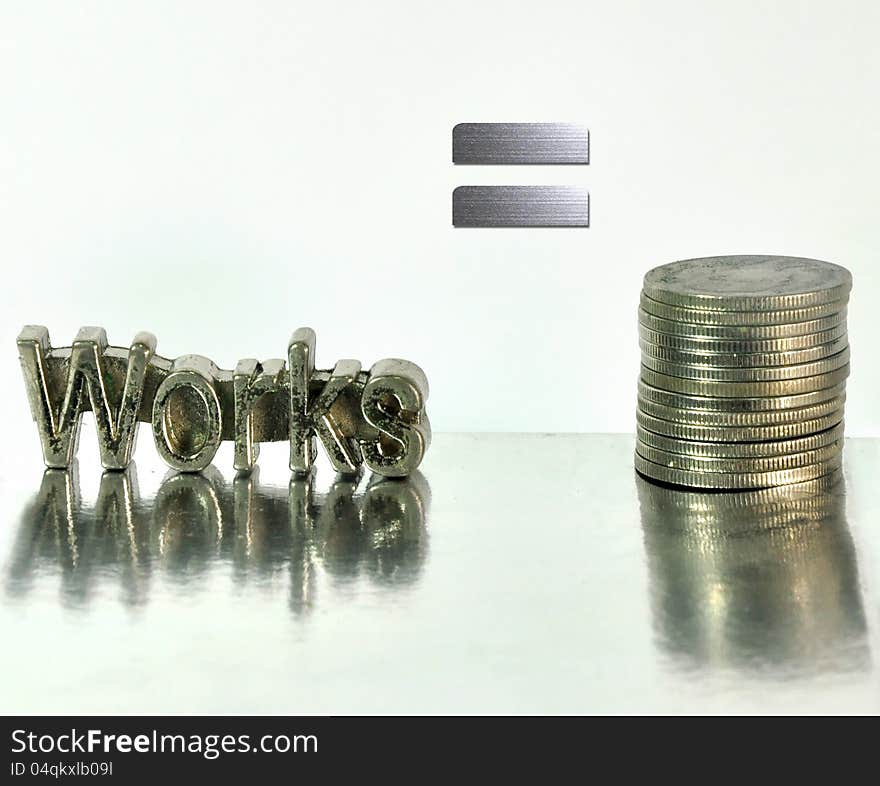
point(187, 420)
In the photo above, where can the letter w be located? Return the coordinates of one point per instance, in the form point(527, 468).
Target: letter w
point(87, 374)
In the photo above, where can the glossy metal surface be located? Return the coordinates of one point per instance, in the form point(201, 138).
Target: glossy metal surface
point(516, 573)
point(520, 206)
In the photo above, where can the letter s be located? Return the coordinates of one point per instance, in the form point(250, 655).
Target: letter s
point(18, 740)
point(393, 402)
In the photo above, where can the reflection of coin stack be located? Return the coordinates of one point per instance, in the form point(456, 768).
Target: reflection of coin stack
point(744, 367)
point(755, 577)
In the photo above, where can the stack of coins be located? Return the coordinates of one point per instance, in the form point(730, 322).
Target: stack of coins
point(744, 367)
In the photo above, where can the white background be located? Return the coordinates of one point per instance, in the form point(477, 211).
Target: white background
point(222, 173)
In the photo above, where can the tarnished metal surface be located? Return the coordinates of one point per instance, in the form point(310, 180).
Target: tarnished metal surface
point(375, 417)
point(520, 143)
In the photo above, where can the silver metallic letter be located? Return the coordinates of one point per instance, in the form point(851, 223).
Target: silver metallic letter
point(86, 374)
point(310, 418)
point(187, 420)
point(393, 401)
point(250, 381)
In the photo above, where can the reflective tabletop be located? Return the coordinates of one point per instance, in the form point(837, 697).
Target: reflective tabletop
point(514, 574)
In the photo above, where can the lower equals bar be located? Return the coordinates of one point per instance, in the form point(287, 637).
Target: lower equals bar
point(520, 206)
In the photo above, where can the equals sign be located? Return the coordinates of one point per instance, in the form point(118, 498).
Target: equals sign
point(520, 206)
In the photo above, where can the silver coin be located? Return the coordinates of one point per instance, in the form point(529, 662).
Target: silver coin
point(763, 464)
point(768, 433)
point(742, 388)
point(746, 332)
point(710, 514)
point(748, 345)
point(739, 403)
point(708, 316)
point(770, 417)
point(735, 480)
point(744, 360)
point(747, 389)
point(806, 495)
point(779, 374)
point(748, 283)
point(740, 449)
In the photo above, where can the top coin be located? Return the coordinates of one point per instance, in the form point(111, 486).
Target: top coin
point(748, 283)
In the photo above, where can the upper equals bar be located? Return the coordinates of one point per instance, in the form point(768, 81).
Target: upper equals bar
point(520, 143)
